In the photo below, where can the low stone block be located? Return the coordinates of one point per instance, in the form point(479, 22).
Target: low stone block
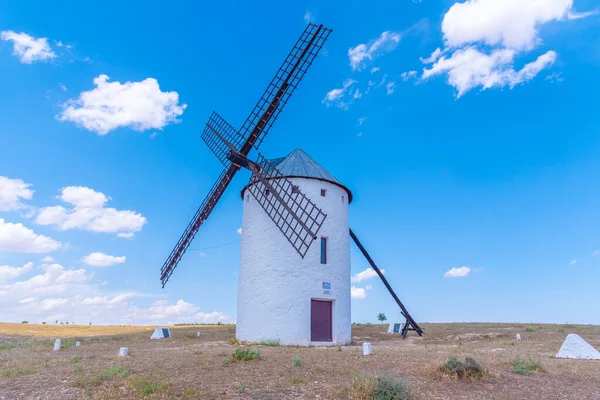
point(123, 351)
point(57, 344)
point(77, 344)
point(367, 349)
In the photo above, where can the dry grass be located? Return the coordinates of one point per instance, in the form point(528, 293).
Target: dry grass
point(194, 369)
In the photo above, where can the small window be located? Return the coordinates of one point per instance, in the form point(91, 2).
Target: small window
point(295, 189)
point(267, 192)
point(343, 199)
point(323, 250)
point(323, 192)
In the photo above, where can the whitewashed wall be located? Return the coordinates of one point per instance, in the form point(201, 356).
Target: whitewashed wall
point(276, 285)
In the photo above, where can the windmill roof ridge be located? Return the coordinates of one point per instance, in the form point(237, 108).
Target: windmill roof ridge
point(298, 164)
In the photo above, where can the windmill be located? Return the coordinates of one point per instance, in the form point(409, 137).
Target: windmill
point(297, 217)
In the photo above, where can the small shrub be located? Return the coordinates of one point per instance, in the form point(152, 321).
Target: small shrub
point(79, 368)
point(297, 361)
point(241, 389)
point(391, 388)
point(16, 372)
point(144, 386)
point(245, 354)
point(6, 346)
point(24, 322)
point(43, 322)
point(234, 341)
point(339, 348)
point(226, 362)
point(110, 372)
point(470, 368)
point(76, 359)
point(269, 342)
point(529, 329)
point(190, 335)
point(46, 361)
point(377, 387)
point(525, 367)
point(297, 380)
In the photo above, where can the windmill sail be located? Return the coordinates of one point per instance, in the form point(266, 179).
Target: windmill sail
point(296, 216)
point(217, 134)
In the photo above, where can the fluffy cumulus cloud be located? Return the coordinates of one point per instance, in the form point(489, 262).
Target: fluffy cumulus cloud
point(339, 97)
point(17, 238)
point(65, 294)
point(8, 272)
point(364, 53)
point(98, 259)
point(12, 192)
point(483, 37)
point(88, 211)
point(358, 293)
point(111, 105)
point(367, 274)
point(457, 272)
point(469, 68)
point(28, 48)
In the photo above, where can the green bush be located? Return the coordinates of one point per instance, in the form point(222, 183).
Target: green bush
point(297, 361)
point(529, 329)
point(470, 368)
point(525, 367)
point(391, 388)
point(245, 354)
point(269, 342)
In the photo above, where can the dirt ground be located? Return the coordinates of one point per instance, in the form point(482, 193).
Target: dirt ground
point(191, 367)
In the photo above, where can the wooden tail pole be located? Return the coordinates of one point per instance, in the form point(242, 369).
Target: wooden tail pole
point(410, 324)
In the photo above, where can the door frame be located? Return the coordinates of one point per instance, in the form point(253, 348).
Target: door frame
point(332, 302)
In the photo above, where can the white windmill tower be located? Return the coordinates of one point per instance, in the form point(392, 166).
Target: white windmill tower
point(286, 292)
point(296, 300)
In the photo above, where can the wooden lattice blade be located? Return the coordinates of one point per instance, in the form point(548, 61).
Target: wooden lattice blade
point(296, 216)
point(201, 215)
point(215, 132)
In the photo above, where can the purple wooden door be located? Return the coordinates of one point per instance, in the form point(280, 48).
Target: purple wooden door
point(320, 321)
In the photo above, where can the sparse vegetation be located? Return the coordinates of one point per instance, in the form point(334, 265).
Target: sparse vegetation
point(245, 354)
point(377, 387)
point(525, 367)
point(339, 348)
point(16, 372)
point(144, 386)
point(226, 362)
point(470, 368)
point(6, 346)
point(297, 361)
point(79, 368)
point(241, 389)
point(190, 335)
point(75, 359)
point(24, 322)
point(234, 341)
point(297, 380)
point(529, 329)
point(269, 342)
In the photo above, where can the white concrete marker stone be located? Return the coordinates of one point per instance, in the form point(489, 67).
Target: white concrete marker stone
point(56, 345)
point(518, 336)
point(123, 352)
point(367, 349)
point(77, 344)
point(575, 346)
point(198, 334)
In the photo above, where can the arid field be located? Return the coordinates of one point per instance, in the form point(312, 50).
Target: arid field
point(191, 367)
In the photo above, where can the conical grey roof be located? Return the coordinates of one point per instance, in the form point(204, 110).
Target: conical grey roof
point(298, 164)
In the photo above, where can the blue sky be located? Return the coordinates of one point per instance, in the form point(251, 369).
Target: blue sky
point(468, 133)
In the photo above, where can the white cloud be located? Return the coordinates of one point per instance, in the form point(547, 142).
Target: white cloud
point(111, 105)
point(336, 96)
point(457, 272)
point(361, 120)
point(374, 69)
point(390, 87)
point(573, 262)
point(469, 68)
point(28, 48)
point(361, 54)
point(408, 75)
point(47, 260)
point(62, 87)
point(433, 57)
point(98, 259)
point(368, 273)
point(126, 235)
point(577, 15)
point(17, 238)
point(308, 17)
point(357, 293)
point(56, 280)
point(368, 287)
point(239, 231)
point(508, 23)
point(7, 272)
point(88, 212)
point(555, 77)
point(12, 191)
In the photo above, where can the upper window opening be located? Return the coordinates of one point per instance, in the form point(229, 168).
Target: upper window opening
point(323, 192)
point(343, 199)
point(295, 189)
